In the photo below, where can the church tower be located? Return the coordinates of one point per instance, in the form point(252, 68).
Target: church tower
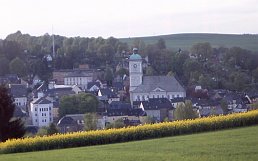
point(135, 69)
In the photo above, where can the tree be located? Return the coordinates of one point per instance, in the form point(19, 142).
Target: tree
point(52, 129)
point(109, 76)
point(4, 66)
point(185, 111)
point(9, 127)
point(78, 104)
point(119, 123)
point(224, 106)
point(148, 120)
point(17, 66)
point(161, 44)
point(202, 51)
point(90, 121)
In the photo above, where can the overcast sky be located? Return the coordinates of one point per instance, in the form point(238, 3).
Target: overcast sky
point(127, 18)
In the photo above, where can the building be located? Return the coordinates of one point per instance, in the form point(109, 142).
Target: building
point(157, 108)
point(19, 93)
point(80, 79)
point(41, 111)
point(144, 87)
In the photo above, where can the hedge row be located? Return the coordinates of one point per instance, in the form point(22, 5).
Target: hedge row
point(148, 131)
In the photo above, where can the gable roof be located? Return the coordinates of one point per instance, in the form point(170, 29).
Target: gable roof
point(18, 90)
point(168, 83)
point(91, 84)
point(41, 100)
point(154, 104)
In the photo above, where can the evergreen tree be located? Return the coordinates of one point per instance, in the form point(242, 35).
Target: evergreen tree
point(9, 127)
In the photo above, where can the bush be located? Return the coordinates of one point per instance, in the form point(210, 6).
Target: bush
point(147, 131)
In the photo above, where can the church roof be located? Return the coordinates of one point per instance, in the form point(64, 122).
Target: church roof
point(135, 57)
point(154, 83)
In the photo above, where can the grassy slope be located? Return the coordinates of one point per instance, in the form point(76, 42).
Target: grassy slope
point(236, 144)
point(185, 41)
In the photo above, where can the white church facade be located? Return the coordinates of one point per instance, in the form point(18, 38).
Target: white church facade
point(144, 87)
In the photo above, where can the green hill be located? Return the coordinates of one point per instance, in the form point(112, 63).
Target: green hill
point(185, 41)
point(235, 144)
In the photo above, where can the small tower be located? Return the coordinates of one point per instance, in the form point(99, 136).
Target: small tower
point(135, 69)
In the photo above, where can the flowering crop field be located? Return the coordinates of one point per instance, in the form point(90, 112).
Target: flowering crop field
point(78, 139)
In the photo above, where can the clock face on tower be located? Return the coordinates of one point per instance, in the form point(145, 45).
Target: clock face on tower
point(135, 65)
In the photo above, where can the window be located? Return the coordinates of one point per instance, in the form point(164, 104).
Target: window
point(42, 114)
point(36, 114)
point(36, 109)
point(49, 108)
point(143, 98)
point(158, 96)
point(50, 119)
point(138, 98)
point(168, 96)
point(36, 120)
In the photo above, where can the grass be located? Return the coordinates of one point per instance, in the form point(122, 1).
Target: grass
point(234, 144)
point(185, 41)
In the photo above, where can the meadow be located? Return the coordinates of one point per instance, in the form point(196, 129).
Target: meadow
point(232, 144)
point(186, 40)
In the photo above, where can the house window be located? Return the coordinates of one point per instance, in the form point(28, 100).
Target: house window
point(49, 108)
point(42, 114)
point(143, 98)
point(36, 109)
point(36, 120)
point(138, 98)
point(36, 114)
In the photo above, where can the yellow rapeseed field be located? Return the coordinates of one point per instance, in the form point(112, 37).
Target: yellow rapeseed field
point(77, 139)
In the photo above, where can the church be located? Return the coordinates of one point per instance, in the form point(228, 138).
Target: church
point(144, 87)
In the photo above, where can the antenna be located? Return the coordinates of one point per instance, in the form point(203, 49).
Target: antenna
point(53, 37)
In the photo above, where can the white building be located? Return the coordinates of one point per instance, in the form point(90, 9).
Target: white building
point(41, 111)
point(144, 87)
point(79, 79)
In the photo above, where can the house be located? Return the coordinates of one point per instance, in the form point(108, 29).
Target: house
point(157, 108)
point(71, 123)
point(10, 79)
point(123, 110)
point(59, 75)
point(41, 112)
point(176, 101)
point(109, 94)
point(75, 122)
point(93, 86)
point(81, 79)
point(19, 93)
point(144, 87)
